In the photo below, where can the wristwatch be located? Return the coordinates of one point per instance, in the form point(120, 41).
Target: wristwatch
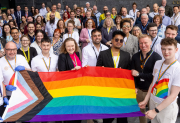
point(137, 74)
point(157, 111)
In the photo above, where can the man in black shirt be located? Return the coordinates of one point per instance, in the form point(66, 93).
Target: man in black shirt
point(142, 67)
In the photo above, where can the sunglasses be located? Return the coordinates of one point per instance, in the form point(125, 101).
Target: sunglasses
point(121, 40)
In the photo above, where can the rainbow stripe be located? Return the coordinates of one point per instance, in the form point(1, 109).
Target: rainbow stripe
point(162, 88)
point(89, 93)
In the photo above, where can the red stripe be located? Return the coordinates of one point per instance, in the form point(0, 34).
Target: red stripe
point(161, 81)
point(86, 71)
point(24, 102)
point(12, 78)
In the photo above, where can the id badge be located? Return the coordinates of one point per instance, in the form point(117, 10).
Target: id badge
point(154, 91)
point(142, 80)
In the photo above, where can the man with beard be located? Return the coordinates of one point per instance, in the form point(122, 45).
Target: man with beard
point(51, 25)
point(115, 58)
point(91, 52)
point(29, 19)
point(102, 16)
point(15, 36)
point(31, 34)
point(155, 10)
point(53, 11)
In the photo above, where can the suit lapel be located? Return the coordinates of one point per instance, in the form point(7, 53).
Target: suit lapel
point(109, 55)
point(121, 59)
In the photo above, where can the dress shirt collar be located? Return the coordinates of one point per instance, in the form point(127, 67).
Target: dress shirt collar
point(41, 55)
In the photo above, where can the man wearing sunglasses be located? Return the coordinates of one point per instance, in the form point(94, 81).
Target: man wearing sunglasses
point(115, 58)
point(142, 67)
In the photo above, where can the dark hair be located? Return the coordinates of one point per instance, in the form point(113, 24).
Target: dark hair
point(175, 6)
point(125, 20)
point(72, 11)
point(58, 23)
point(148, 6)
point(42, 23)
point(172, 27)
point(117, 16)
point(14, 28)
point(134, 4)
point(45, 39)
point(38, 24)
point(39, 31)
point(107, 12)
point(169, 41)
point(95, 30)
point(118, 33)
point(30, 23)
point(151, 25)
point(3, 32)
point(13, 22)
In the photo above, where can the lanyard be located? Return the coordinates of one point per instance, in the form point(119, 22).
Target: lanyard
point(95, 51)
point(115, 62)
point(54, 43)
point(10, 64)
point(144, 28)
point(71, 35)
point(48, 68)
point(176, 18)
point(27, 59)
point(144, 62)
point(33, 39)
point(0, 46)
point(89, 34)
point(160, 75)
point(154, 42)
point(109, 30)
point(74, 61)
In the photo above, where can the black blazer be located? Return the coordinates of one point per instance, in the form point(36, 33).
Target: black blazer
point(105, 59)
point(65, 62)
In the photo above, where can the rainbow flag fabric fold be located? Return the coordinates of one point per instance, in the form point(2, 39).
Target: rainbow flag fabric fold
point(89, 93)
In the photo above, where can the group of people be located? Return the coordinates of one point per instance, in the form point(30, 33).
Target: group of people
point(145, 42)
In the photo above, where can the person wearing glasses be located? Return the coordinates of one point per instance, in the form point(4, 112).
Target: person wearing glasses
point(10, 63)
point(142, 68)
point(152, 30)
point(115, 58)
point(15, 36)
point(136, 31)
point(25, 50)
point(130, 43)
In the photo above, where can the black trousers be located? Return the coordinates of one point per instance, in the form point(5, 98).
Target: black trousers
point(119, 120)
point(178, 102)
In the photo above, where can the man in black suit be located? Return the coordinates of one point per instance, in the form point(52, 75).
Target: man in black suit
point(27, 12)
point(116, 58)
point(18, 14)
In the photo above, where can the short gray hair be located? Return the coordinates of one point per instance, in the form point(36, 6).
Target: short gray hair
point(145, 15)
point(161, 7)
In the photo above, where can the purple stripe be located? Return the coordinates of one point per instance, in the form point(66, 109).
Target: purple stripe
point(43, 118)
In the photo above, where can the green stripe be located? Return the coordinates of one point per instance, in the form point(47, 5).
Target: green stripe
point(91, 101)
point(161, 92)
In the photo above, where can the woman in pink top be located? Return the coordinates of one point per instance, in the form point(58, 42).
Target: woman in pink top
point(85, 36)
point(69, 56)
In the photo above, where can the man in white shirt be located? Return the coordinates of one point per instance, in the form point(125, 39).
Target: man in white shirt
point(51, 25)
point(46, 61)
point(165, 87)
point(152, 30)
point(133, 12)
point(43, 10)
point(10, 63)
point(171, 32)
point(155, 10)
point(87, 6)
point(124, 13)
point(91, 52)
point(166, 20)
point(77, 22)
point(175, 19)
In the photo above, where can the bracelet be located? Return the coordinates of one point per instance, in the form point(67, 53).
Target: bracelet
point(157, 111)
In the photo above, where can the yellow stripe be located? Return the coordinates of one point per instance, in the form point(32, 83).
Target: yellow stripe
point(94, 91)
point(162, 88)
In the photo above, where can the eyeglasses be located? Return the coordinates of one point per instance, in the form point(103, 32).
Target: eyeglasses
point(11, 49)
point(136, 30)
point(124, 26)
point(78, 11)
point(153, 30)
point(14, 33)
point(121, 40)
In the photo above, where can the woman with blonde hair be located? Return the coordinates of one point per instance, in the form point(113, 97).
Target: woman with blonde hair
point(114, 12)
point(108, 28)
point(4, 18)
point(136, 31)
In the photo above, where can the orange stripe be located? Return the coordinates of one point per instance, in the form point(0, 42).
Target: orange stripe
point(86, 71)
point(162, 84)
point(91, 81)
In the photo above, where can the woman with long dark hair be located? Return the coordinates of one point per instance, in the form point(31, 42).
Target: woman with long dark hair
point(6, 32)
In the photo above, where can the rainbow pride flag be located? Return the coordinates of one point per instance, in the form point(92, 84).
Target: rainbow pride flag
point(89, 93)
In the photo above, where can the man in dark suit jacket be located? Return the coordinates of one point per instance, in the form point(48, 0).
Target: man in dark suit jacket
point(27, 12)
point(144, 11)
point(18, 14)
point(144, 23)
point(115, 58)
